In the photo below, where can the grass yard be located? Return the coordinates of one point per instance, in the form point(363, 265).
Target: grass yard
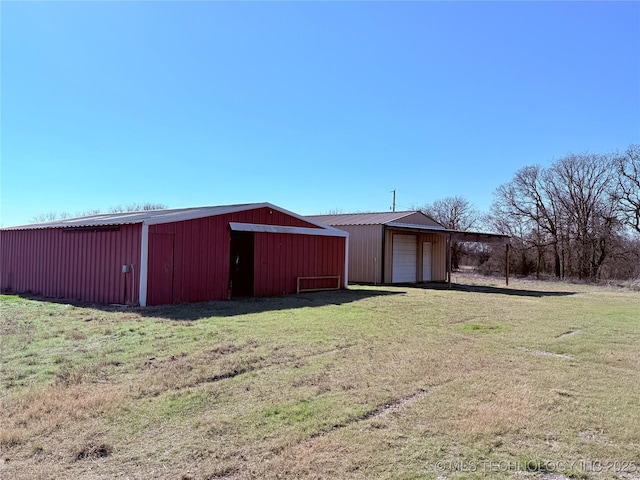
point(537, 380)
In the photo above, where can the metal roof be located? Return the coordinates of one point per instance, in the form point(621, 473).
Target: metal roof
point(390, 219)
point(375, 218)
point(153, 217)
point(456, 235)
point(438, 228)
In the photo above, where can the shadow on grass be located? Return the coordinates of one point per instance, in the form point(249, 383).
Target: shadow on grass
point(461, 287)
point(229, 308)
point(243, 306)
point(222, 308)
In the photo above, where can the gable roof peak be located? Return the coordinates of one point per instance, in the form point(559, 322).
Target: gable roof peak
point(375, 218)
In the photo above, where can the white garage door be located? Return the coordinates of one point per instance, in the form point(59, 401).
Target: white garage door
point(404, 259)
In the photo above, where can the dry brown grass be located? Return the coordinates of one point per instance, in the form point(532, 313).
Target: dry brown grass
point(39, 411)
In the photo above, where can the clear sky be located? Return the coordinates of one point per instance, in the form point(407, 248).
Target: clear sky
point(313, 106)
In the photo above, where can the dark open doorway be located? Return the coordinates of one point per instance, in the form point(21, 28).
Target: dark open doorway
point(241, 264)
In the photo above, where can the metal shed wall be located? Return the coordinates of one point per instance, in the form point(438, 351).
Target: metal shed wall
point(201, 250)
point(83, 264)
point(438, 254)
point(279, 259)
point(365, 253)
point(199, 256)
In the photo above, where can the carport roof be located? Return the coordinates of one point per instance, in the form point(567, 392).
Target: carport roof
point(394, 220)
point(456, 235)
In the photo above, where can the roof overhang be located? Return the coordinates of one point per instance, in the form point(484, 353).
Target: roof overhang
point(416, 227)
point(256, 227)
point(456, 235)
point(480, 237)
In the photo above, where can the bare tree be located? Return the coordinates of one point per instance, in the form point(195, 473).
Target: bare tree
point(137, 207)
point(529, 197)
point(584, 184)
point(455, 213)
point(518, 227)
point(86, 213)
point(50, 217)
point(333, 211)
point(628, 188)
point(132, 207)
point(568, 210)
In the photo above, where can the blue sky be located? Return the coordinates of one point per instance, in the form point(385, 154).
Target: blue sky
point(312, 106)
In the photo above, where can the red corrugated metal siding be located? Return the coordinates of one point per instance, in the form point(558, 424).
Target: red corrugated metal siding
point(202, 249)
point(266, 216)
point(281, 258)
point(160, 267)
point(201, 260)
point(72, 263)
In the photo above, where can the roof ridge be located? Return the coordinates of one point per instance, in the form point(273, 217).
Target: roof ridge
point(362, 213)
point(142, 216)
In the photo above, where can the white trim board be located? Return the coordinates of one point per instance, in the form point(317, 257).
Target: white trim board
point(144, 265)
point(256, 227)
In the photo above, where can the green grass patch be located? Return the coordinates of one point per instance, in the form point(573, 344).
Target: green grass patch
point(8, 299)
point(482, 328)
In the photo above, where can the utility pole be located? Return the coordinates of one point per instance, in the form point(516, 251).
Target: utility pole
point(393, 207)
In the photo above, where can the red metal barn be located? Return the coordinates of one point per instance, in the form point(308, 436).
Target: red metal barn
point(173, 256)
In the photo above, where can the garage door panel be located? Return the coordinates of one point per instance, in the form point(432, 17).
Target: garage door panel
point(404, 267)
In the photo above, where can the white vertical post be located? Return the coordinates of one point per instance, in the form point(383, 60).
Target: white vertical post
point(144, 264)
point(346, 261)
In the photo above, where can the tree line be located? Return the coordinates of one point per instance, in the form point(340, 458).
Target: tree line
point(578, 218)
point(131, 207)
